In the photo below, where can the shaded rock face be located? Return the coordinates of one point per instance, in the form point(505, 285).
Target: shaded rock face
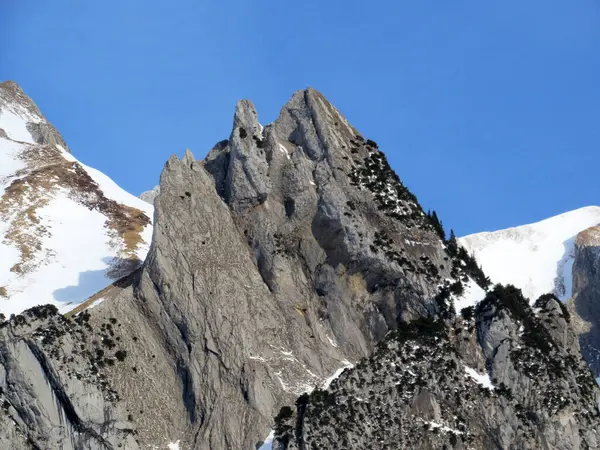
point(499, 377)
point(586, 294)
point(52, 393)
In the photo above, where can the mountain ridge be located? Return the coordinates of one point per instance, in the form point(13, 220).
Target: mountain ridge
point(291, 251)
point(51, 207)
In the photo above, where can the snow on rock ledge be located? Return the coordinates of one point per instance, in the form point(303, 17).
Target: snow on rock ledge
point(481, 379)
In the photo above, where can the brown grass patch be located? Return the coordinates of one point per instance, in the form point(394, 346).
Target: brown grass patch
point(3, 292)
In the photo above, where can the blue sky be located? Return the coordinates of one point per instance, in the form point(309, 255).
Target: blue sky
point(488, 111)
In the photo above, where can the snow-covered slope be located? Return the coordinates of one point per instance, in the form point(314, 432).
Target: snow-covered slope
point(537, 258)
point(66, 230)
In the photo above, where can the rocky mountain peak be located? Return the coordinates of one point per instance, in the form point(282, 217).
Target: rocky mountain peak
point(291, 252)
point(11, 90)
point(287, 253)
point(245, 117)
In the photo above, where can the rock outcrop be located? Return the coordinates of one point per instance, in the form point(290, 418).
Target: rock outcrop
point(586, 294)
point(53, 391)
point(149, 196)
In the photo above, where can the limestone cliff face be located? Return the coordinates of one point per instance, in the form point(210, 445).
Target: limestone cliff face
point(586, 294)
point(275, 260)
point(332, 231)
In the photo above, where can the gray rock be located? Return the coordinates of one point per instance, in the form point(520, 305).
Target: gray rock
point(247, 182)
point(49, 402)
point(43, 133)
point(149, 196)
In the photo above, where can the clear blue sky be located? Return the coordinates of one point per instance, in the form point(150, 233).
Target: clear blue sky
point(489, 111)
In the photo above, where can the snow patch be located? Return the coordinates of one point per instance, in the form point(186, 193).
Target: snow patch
point(173, 445)
point(346, 365)
point(481, 379)
point(114, 192)
point(74, 264)
point(446, 429)
point(15, 126)
point(76, 249)
point(332, 342)
point(10, 163)
point(472, 295)
point(284, 151)
point(95, 303)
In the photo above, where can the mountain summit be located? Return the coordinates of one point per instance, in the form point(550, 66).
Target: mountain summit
point(66, 230)
point(289, 254)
